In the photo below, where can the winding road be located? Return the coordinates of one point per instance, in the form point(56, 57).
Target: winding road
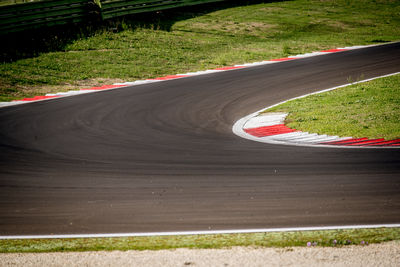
point(162, 157)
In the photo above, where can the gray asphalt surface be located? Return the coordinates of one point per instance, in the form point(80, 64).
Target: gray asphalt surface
point(162, 157)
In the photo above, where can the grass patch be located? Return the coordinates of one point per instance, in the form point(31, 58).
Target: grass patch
point(326, 238)
point(189, 39)
point(370, 109)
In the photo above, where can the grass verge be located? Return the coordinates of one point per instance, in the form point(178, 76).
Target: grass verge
point(189, 39)
point(326, 238)
point(370, 109)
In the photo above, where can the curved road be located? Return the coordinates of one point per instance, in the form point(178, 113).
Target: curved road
point(162, 157)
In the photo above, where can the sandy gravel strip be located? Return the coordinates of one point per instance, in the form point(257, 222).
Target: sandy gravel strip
point(384, 254)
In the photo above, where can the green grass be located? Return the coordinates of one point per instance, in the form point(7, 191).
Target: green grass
point(13, 2)
point(278, 239)
point(192, 39)
point(370, 109)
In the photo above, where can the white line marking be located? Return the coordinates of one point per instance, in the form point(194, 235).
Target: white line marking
point(6, 104)
point(254, 63)
point(238, 127)
point(69, 93)
point(313, 54)
point(208, 232)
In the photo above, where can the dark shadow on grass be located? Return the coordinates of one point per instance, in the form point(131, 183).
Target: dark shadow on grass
point(34, 42)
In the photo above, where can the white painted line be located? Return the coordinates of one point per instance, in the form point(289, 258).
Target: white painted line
point(239, 126)
point(12, 103)
point(126, 83)
point(149, 81)
point(138, 82)
point(6, 104)
point(208, 232)
point(57, 94)
point(254, 64)
point(356, 47)
point(201, 72)
point(69, 93)
point(311, 54)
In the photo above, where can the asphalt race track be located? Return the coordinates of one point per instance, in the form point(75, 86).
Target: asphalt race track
point(162, 157)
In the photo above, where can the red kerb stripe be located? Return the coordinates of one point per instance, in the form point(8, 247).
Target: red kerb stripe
point(386, 143)
point(369, 142)
point(42, 97)
point(342, 142)
point(269, 130)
